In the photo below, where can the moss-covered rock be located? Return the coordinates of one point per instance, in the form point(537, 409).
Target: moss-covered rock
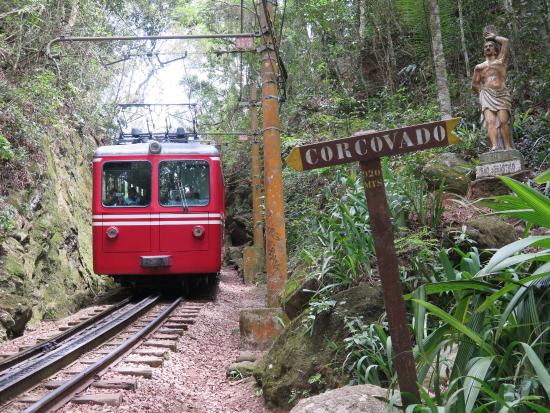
point(452, 169)
point(490, 231)
point(299, 363)
point(296, 295)
point(46, 256)
point(298, 290)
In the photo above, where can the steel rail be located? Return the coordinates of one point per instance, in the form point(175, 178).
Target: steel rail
point(50, 363)
point(65, 392)
point(55, 341)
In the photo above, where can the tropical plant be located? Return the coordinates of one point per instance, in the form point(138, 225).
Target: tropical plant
point(482, 331)
point(495, 334)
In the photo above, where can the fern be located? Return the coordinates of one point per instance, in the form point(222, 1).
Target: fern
point(416, 15)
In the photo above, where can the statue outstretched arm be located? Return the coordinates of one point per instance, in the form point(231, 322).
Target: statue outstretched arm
point(504, 48)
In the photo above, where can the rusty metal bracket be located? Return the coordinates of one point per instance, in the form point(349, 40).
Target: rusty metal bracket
point(273, 128)
point(249, 104)
point(264, 47)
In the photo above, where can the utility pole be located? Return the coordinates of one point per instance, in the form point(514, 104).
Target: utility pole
point(276, 265)
point(256, 176)
point(253, 256)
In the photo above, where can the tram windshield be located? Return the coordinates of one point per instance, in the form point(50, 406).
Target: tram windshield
point(126, 184)
point(184, 183)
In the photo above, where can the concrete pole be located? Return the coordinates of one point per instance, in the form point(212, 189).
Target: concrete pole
point(256, 177)
point(276, 265)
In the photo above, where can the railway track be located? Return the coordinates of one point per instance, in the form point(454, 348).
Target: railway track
point(133, 335)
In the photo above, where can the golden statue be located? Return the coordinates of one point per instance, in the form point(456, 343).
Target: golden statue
point(489, 82)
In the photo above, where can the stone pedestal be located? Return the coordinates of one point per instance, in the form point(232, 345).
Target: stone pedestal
point(496, 163)
point(260, 327)
point(493, 186)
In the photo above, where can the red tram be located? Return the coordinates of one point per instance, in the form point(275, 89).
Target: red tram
point(158, 206)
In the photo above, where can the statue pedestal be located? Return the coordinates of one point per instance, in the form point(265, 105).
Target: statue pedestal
point(496, 163)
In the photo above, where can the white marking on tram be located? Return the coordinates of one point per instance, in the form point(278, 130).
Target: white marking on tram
point(155, 216)
point(188, 222)
point(215, 158)
point(135, 216)
point(184, 215)
point(152, 223)
point(121, 223)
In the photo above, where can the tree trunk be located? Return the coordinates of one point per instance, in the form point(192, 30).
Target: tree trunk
point(362, 19)
point(463, 39)
point(68, 28)
point(392, 65)
point(439, 62)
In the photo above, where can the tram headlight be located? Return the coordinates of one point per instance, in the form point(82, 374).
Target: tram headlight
point(112, 232)
point(154, 147)
point(198, 231)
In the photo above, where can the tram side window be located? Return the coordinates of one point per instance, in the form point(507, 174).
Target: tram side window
point(126, 184)
point(184, 183)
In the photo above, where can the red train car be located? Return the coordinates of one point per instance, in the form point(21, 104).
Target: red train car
point(158, 207)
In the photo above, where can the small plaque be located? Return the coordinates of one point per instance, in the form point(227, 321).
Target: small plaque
point(156, 261)
point(498, 168)
point(245, 43)
point(243, 138)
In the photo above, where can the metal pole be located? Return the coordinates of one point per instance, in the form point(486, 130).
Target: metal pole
point(276, 266)
point(136, 38)
point(256, 175)
point(379, 214)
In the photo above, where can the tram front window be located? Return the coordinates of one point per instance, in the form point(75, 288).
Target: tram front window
point(184, 183)
point(126, 184)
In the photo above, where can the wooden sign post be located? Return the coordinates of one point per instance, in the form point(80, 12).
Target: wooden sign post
point(367, 149)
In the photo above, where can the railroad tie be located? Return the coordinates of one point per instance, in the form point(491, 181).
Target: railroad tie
point(169, 344)
point(170, 331)
point(179, 321)
point(157, 352)
point(31, 397)
point(151, 361)
point(108, 399)
point(144, 372)
point(121, 384)
point(163, 336)
point(6, 355)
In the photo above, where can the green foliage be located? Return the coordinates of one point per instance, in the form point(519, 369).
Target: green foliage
point(316, 308)
point(6, 153)
point(369, 352)
point(7, 214)
point(416, 16)
point(482, 331)
point(526, 203)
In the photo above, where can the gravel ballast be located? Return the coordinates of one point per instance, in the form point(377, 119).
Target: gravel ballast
point(193, 379)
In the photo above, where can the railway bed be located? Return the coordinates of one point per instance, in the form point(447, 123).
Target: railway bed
point(99, 359)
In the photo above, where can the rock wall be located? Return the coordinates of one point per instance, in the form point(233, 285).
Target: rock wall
point(46, 240)
point(301, 363)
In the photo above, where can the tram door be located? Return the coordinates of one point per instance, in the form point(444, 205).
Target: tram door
point(184, 197)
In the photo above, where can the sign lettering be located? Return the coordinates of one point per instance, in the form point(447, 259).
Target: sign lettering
point(373, 145)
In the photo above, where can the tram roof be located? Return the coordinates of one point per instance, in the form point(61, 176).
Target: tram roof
point(168, 148)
